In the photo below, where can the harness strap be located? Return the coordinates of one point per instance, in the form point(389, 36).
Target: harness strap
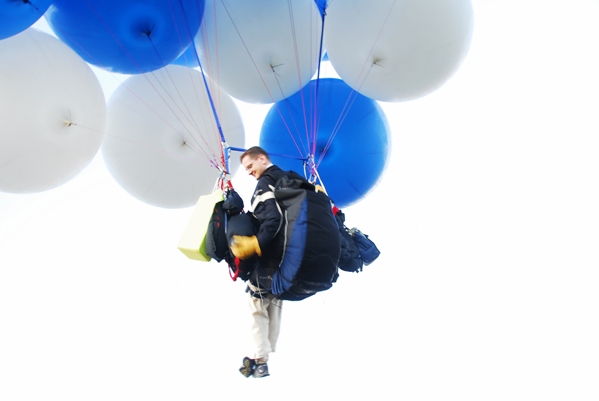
point(236, 273)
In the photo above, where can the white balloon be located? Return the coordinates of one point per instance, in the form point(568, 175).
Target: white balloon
point(52, 113)
point(162, 144)
point(260, 51)
point(397, 50)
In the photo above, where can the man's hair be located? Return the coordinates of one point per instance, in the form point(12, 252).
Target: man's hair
point(254, 152)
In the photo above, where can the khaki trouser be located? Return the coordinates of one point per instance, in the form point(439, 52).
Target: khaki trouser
point(266, 323)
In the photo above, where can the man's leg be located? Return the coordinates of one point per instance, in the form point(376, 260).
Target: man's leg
point(261, 311)
point(275, 308)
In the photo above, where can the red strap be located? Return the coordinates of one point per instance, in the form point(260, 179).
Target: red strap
point(234, 276)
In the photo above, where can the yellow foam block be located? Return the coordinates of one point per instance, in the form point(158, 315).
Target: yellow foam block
point(193, 240)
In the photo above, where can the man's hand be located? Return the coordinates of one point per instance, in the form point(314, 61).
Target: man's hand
point(243, 247)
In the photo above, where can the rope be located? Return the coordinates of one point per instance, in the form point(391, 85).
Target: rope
point(315, 109)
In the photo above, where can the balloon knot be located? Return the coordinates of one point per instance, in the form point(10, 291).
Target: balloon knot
point(376, 61)
point(272, 67)
point(31, 4)
point(148, 32)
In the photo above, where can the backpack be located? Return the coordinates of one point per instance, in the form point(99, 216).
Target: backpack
point(349, 259)
point(311, 240)
point(228, 219)
point(357, 249)
point(368, 250)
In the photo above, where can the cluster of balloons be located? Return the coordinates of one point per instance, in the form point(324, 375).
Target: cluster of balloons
point(182, 64)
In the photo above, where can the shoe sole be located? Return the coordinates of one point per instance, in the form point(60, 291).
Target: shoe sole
point(248, 367)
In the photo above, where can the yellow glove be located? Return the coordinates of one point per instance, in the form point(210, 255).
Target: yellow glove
point(243, 247)
point(319, 188)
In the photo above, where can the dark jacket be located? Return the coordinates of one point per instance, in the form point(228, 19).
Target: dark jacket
point(270, 235)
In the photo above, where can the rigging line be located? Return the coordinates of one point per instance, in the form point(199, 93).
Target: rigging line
point(179, 107)
point(198, 15)
point(184, 19)
point(202, 35)
point(317, 177)
point(160, 115)
point(143, 145)
point(182, 106)
point(339, 121)
point(275, 76)
point(206, 85)
point(295, 140)
point(223, 156)
point(302, 147)
point(188, 34)
point(185, 114)
point(307, 115)
point(296, 53)
point(216, 119)
point(344, 112)
point(215, 75)
point(374, 61)
point(353, 95)
point(247, 50)
point(314, 118)
point(174, 107)
point(298, 70)
point(190, 38)
point(224, 146)
point(316, 110)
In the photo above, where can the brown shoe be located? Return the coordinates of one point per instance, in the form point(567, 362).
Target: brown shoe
point(248, 367)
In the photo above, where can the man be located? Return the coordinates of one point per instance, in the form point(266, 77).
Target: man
point(268, 245)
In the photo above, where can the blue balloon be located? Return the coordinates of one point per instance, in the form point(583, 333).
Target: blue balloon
point(16, 16)
point(129, 37)
point(352, 137)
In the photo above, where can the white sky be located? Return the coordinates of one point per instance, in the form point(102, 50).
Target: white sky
point(486, 288)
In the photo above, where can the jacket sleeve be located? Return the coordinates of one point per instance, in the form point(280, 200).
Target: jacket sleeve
point(267, 212)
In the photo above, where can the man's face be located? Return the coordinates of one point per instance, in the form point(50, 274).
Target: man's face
point(255, 167)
